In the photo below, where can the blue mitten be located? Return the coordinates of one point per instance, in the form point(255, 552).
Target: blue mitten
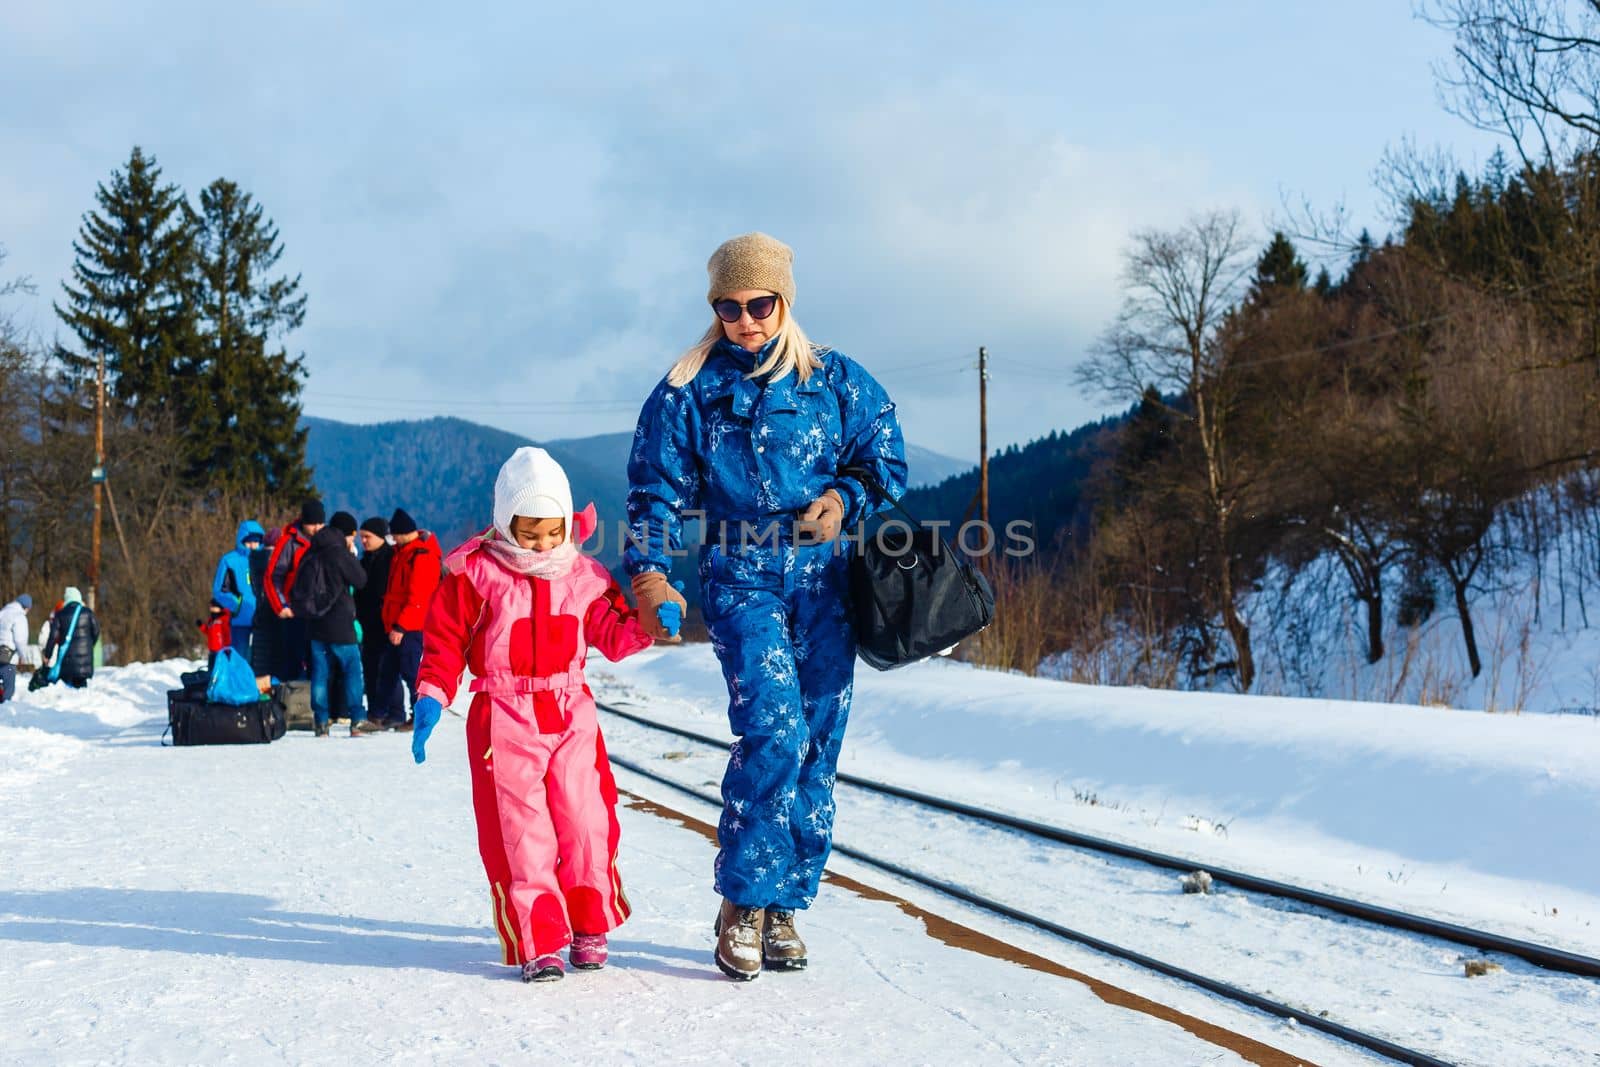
point(670, 614)
point(424, 717)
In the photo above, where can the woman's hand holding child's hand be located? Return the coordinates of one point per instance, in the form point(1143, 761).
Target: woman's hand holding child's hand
point(656, 596)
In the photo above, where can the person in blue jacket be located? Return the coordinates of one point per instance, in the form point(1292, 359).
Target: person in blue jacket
point(750, 431)
point(232, 587)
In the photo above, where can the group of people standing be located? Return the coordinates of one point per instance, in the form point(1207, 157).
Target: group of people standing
point(304, 601)
point(67, 646)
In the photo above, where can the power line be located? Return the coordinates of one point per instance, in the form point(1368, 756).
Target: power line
point(368, 400)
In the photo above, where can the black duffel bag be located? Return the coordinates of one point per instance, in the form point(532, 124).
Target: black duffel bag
point(195, 721)
point(195, 683)
point(913, 596)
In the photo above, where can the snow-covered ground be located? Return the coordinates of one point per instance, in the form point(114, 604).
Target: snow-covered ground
point(1490, 821)
point(314, 900)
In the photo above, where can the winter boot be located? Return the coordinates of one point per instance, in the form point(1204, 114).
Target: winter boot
point(364, 727)
point(588, 952)
point(320, 729)
point(738, 933)
point(781, 947)
point(543, 969)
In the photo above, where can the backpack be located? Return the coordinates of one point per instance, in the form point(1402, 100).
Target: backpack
point(316, 590)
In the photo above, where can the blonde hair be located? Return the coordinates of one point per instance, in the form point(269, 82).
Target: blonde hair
point(792, 352)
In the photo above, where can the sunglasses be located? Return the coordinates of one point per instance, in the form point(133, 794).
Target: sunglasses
point(760, 308)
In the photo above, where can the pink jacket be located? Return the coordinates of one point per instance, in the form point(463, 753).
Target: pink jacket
point(524, 635)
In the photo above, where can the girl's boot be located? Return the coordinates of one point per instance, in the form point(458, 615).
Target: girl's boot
point(588, 951)
point(543, 969)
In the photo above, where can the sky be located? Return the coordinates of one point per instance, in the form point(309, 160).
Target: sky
point(502, 211)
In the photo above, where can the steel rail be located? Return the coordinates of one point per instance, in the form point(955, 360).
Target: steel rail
point(1371, 1042)
point(1545, 956)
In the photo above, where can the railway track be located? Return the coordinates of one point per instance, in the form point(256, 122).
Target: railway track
point(1540, 955)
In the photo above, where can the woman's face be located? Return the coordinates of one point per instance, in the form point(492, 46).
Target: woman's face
point(538, 535)
point(746, 331)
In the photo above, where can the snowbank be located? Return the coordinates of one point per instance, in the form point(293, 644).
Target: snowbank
point(1494, 819)
point(40, 731)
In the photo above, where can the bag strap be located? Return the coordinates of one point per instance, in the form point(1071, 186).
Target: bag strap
point(867, 477)
point(870, 480)
point(66, 643)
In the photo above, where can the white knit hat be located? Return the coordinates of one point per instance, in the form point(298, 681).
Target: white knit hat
point(533, 484)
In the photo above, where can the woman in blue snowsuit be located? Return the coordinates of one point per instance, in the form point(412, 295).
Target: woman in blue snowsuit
point(231, 586)
point(751, 429)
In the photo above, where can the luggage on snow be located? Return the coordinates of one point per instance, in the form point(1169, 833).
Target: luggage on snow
point(193, 720)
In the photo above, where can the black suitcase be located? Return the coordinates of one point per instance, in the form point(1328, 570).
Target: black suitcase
point(195, 722)
point(296, 700)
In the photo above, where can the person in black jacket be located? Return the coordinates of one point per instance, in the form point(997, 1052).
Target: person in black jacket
point(321, 596)
point(74, 631)
point(377, 555)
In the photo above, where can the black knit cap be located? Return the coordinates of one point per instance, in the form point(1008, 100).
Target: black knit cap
point(312, 513)
point(376, 526)
point(344, 522)
point(402, 523)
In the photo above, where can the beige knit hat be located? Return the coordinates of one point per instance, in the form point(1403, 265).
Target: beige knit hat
point(752, 261)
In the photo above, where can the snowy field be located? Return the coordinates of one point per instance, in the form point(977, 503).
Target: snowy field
point(321, 900)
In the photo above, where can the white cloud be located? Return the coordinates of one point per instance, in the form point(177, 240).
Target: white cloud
point(524, 199)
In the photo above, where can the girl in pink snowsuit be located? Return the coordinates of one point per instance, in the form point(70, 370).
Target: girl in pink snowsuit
point(518, 608)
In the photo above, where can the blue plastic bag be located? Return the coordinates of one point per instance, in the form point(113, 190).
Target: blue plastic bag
point(232, 680)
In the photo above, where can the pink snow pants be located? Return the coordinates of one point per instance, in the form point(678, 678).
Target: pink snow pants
point(545, 803)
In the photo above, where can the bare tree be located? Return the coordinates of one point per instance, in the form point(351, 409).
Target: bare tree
point(1178, 288)
point(1529, 69)
point(16, 363)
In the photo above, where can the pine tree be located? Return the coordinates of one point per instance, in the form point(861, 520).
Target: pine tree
point(245, 419)
point(1280, 269)
point(1497, 172)
point(128, 299)
point(1365, 246)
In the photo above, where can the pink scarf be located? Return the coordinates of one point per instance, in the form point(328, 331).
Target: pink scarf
point(518, 560)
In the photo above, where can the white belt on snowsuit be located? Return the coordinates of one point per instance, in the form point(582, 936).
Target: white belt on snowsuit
point(505, 682)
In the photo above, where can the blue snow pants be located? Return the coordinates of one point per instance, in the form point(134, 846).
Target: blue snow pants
point(780, 622)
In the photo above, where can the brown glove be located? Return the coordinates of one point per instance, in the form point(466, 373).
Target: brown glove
point(820, 521)
point(651, 590)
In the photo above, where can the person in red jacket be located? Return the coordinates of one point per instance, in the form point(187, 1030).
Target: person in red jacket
point(292, 645)
point(414, 575)
point(218, 630)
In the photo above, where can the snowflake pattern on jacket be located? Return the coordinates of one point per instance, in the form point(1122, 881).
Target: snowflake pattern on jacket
point(778, 614)
point(737, 449)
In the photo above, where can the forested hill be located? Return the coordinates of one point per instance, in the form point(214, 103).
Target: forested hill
point(1044, 482)
point(442, 470)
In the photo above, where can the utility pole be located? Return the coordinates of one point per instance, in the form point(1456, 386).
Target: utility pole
point(981, 497)
point(983, 438)
point(97, 477)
